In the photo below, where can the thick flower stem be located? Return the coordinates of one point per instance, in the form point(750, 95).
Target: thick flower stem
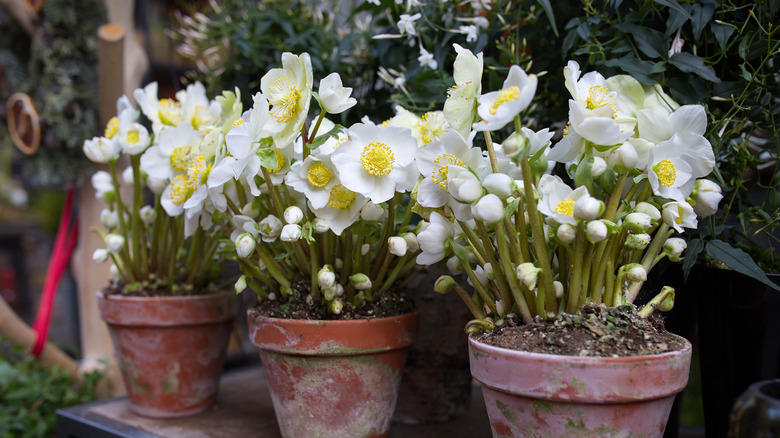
point(271, 267)
point(522, 232)
point(576, 276)
point(154, 250)
point(511, 277)
point(475, 242)
point(501, 280)
point(597, 283)
point(491, 152)
point(540, 246)
point(481, 289)
point(315, 268)
point(310, 139)
point(609, 283)
point(652, 252)
point(666, 293)
point(401, 266)
point(475, 310)
point(132, 271)
point(139, 236)
point(614, 199)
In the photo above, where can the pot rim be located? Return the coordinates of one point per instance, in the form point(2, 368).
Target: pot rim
point(120, 297)
point(252, 312)
point(584, 360)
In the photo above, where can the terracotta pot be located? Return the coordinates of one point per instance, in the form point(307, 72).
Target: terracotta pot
point(756, 412)
point(170, 349)
point(534, 394)
point(333, 378)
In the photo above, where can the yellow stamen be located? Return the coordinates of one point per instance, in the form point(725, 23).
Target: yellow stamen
point(284, 97)
point(566, 129)
point(170, 112)
point(667, 174)
point(319, 175)
point(385, 123)
point(112, 127)
point(198, 172)
point(508, 95)
point(679, 219)
point(279, 162)
point(339, 142)
point(598, 97)
point(432, 126)
point(202, 117)
point(341, 197)
point(181, 158)
point(238, 122)
point(180, 190)
point(441, 169)
point(377, 158)
point(566, 207)
point(132, 137)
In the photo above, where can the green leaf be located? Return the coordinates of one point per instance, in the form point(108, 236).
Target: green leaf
point(511, 208)
point(672, 4)
point(702, 14)
point(460, 251)
point(548, 10)
point(693, 64)
point(695, 247)
point(738, 260)
point(584, 174)
point(268, 158)
point(649, 41)
point(320, 139)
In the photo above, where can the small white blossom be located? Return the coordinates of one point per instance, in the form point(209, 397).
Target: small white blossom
point(270, 227)
point(100, 255)
point(706, 195)
point(293, 215)
point(397, 246)
point(320, 225)
point(463, 185)
point(334, 97)
point(489, 209)
point(109, 219)
point(115, 243)
point(426, 59)
point(148, 214)
point(678, 215)
point(588, 208)
point(406, 23)
point(471, 31)
point(636, 273)
point(371, 212)
point(637, 222)
point(412, 245)
point(596, 231)
point(566, 233)
point(528, 274)
point(500, 184)
point(326, 277)
point(360, 281)
point(240, 284)
point(558, 289)
point(245, 245)
point(290, 233)
point(453, 265)
point(101, 149)
point(674, 247)
point(365, 248)
point(648, 209)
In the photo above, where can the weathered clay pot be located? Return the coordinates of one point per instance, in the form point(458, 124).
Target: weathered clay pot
point(333, 378)
point(170, 349)
point(534, 394)
point(756, 413)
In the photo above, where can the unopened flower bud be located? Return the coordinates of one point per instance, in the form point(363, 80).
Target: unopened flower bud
point(636, 272)
point(444, 284)
point(148, 214)
point(489, 209)
point(326, 277)
point(336, 306)
point(339, 289)
point(360, 281)
point(248, 211)
point(156, 185)
point(596, 231)
point(321, 225)
point(113, 271)
point(598, 167)
point(453, 265)
point(648, 209)
point(500, 307)
point(101, 149)
point(566, 233)
point(329, 293)
point(397, 246)
point(109, 219)
point(240, 284)
point(293, 215)
point(637, 223)
point(100, 255)
point(637, 241)
point(412, 244)
point(528, 274)
point(623, 157)
point(127, 176)
point(338, 263)
point(290, 233)
point(588, 208)
point(558, 289)
point(463, 185)
point(500, 184)
point(115, 243)
point(488, 267)
point(674, 247)
point(371, 211)
point(706, 194)
point(245, 245)
point(365, 248)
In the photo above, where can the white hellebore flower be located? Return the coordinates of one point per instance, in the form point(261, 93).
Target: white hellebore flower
point(412, 245)
point(100, 255)
point(528, 274)
point(326, 278)
point(293, 215)
point(460, 107)
point(314, 176)
point(674, 247)
point(134, 139)
point(288, 90)
point(334, 97)
point(109, 219)
point(706, 194)
point(397, 246)
point(500, 107)
point(433, 239)
point(596, 231)
point(103, 185)
point(270, 227)
point(500, 184)
point(648, 209)
point(115, 243)
point(175, 151)
point(463, 185)
point(101, 149)
point(637, 222)
point(566, 233)
point(374, 161)
point(558, 200)
point(678, 215)
point(341, 210)
point(488, 209)
point(526, 142)
point(676, 163)
point(290, 233)
point(245, 245)
point(148, 214)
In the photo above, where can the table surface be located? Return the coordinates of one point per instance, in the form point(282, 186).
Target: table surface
point(243, 408)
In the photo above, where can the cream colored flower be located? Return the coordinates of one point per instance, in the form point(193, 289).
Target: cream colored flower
point(500, 107)
point(460, 108)
point(288, 90)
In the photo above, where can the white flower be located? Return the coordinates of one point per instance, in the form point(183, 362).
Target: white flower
point(127, 176)
point(706, 194)
point(321, 225)
point(678, 215)
point(463, 185)
point(290, 233)
point(412, 245)
point(636, 273)
point(558, 200)
point(432, 127)
point(334, 97)
point(115, 243)
point(656, 125)
point(453, 265)
point(365, 248)
point(426, 59)
point(100, 255)
point(648, 209)
point(500, 107)
point(156, 185)
point(242, 143)
point(374, 161)
point(471, 31)
point(676, 163)
point(293, 215)
point(101, 149)
point(314, 176)
point(406, 23)
point(326, 277)
point(150, 105)
point(270, 227)
point(500, 184)
point(109, 219)
point(371, 212)
point(558, 289)
point(397, 246)
point(674, 247)
point(528, 274)
point(134, 139)
point(196, 109)
point(566, 233)
point(460, 106)
point(341, 210)
point(175, 151)
point(525, 143)
point(480, 274)
point(148, 214)
point(488, 209)
point(596, 231)
point(240, 284)
point(433, 238)
point(245, 245)
point(288, 90)
point(103, 185)
point(360, 281)
point(623, 157)
point(637, 222)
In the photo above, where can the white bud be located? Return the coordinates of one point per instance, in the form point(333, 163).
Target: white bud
point(463, 185)
point(321, 225)
point(240, 284)
point(100, 255)
point(326, 277)
point(558, 289)
point(453, 265)
point(528, 274)
point(101, 149)
point(637, 223)
point(245, 245)
point(488, 267)
point(114, 271)
point(397, 246)
point(598, 167)
point(623, 157)
point(156, 185)
point(371, 211)
point(648, 209)
point(500, 184)
point(637, 241)
point(148, 214)
point(566, 233)
point(336, 306)
point(596, 231)
point(127, 176)
point(636, 273)
point(500, 307)
point(489, 209)
point(338, 263)
point(248, 211)
point(412, 244)
point(674, 247)
point(290, 233)
point(360, 281)
point(293, 215)
point(365, 248)
point(272, 296)
point(109, 219)
point(706, 194)
point(481, 276)
point(115, 243)
point(588, 208)
point(269, 228)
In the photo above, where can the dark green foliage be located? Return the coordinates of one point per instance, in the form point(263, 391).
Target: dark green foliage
point(31, 393)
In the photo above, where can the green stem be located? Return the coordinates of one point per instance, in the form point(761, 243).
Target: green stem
point(475, 310)
point(511, 278)
point(501, 277)
point(540, 246)
point(576, 276)
point(614, 199)
point(139, 235)
point(489, 299)
point(491, 152)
